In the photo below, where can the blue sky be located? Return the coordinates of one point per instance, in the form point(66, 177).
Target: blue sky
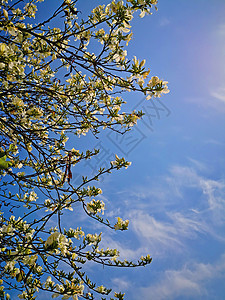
point(174, 192)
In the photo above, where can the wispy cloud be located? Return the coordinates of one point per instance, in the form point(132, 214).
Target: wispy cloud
point(154, 236)
point(219, 94)
point(211, 103)
point(211, 190)
point(164, 22)
point(199, 166)
point(184, 187)
point(214, 142)
point(173, 217)
point(168, 234)
point(189, 281)
point(183, 205)
point(120, 284)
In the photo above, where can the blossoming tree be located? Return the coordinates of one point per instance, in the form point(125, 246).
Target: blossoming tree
point(54, 83)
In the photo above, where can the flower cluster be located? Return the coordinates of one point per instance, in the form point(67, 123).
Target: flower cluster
point(68, 289)
point(57, 243)
point(93, 239)
point(122, 225)
point(96, 206)
point(118, 163)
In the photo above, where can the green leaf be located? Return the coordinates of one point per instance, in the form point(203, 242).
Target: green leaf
point(3, 163)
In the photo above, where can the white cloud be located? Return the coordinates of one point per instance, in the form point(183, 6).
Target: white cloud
point(211, 103)
point(161, 236)
point(197, 164)
point(112, 241)
point(165, 224)
point(219, 94)
point(190, 281)
point(150, 235)
point(120, 284)
point(217, 99)
point(182, 188)
point(212, 191)
point(182, 206)
point(164, 22)
point(214, 142)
